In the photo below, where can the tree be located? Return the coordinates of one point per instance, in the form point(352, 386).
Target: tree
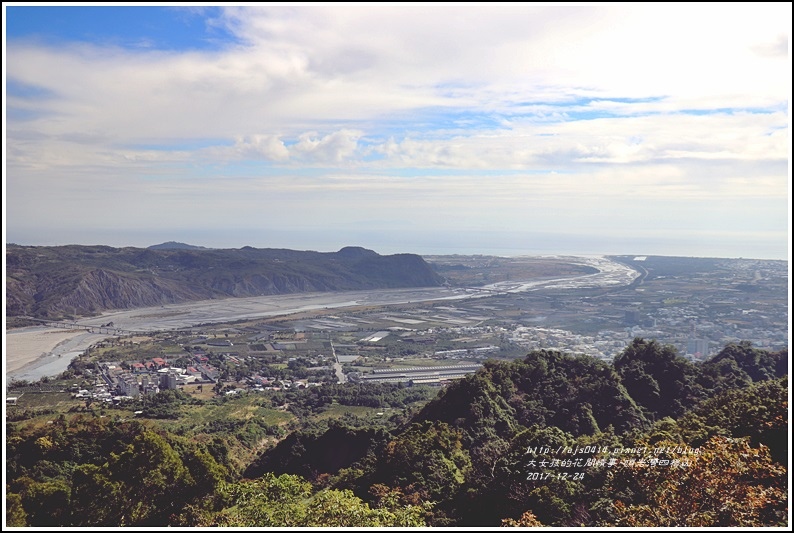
point(45, 503)
point(15, 513)
point(287, 501)
point(527, 520)
point(142, 485)
point(95, 497)
point(270, 501)
point(341, 508)
point(759, 411)
point(429, 457)
point(728, 484)
point(658, 379)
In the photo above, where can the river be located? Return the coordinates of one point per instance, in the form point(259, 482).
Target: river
point(35, 352)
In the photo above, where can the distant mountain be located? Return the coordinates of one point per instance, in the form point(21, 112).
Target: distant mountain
point(57, 281)
point(173, 245)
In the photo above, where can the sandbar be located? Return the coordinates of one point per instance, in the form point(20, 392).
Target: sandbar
point(26, 345)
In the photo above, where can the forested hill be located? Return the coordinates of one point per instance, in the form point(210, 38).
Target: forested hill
point(552, 439)
point(467, 450)
point(54, 281)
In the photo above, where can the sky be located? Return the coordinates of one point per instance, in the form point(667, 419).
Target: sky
point(507, 128)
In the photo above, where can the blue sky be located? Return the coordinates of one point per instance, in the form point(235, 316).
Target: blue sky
point(133, 27)
point(507, 128)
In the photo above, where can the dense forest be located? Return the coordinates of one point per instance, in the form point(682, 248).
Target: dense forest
point(550, 439)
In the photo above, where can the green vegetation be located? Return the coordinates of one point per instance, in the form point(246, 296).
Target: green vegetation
point(659, 441)
point(288, 501)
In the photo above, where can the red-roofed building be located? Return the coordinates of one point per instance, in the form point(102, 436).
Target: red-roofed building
point(159, 362)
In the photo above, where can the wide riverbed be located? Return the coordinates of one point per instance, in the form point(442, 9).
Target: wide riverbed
point(34, 352)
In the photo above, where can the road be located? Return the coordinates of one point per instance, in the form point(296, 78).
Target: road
point(340, 376)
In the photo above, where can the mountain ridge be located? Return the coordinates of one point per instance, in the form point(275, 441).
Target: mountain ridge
point(59, 281)
point(174, 245)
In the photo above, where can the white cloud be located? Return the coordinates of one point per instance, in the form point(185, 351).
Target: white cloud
point(268, 147)
point(333, 148)
point(468, 111)
point(347, 62)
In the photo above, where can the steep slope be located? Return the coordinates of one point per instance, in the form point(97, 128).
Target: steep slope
point(577, 394)
point(62, 280)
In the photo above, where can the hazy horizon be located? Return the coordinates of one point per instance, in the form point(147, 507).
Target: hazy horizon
point(499, 129)
point(506, 249)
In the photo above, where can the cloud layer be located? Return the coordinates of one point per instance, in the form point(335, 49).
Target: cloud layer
point(618, 122)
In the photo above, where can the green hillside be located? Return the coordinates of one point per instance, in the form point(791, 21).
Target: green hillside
point(550, 439)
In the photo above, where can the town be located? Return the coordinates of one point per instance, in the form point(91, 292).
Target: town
point(697, 306)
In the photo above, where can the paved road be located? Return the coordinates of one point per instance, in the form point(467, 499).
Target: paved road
point(340, 376)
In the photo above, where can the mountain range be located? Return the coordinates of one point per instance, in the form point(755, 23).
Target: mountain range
point(59, 281)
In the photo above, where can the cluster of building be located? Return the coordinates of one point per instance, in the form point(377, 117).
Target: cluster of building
point(607, 344)
point(427, 375)
point(604, 345)
point(258, 382)
point(150, 377)
point(479, 352)
point(718, 326)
